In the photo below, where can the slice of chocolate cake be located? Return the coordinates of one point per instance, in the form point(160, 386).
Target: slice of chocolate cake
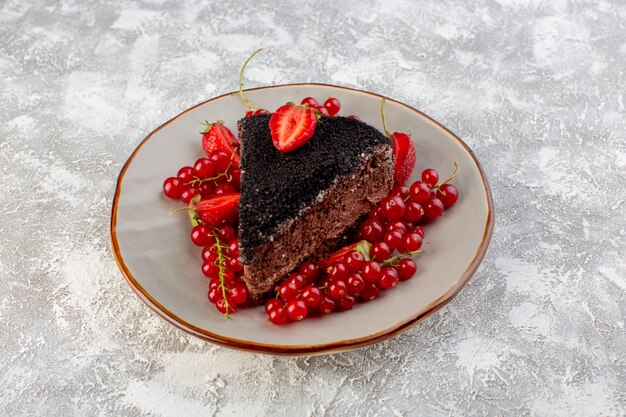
point(293, 205)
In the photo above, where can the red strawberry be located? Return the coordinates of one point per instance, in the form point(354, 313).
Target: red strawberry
point(362, 246)
point(218, 209)
point(404, 154)
point(217, 137)
point(292, 126)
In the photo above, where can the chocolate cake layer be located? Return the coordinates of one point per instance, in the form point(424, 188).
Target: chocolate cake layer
point(291, 203)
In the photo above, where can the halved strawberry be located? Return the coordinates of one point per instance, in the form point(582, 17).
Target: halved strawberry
point(292, 126)
point(362, 246)
point(404, 155)
point(218, 209)
point(217, 137)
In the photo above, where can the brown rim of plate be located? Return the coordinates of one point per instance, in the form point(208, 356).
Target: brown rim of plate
point(303, 349)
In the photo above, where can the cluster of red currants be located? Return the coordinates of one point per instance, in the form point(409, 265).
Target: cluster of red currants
point(330, 107)
point(214, 175)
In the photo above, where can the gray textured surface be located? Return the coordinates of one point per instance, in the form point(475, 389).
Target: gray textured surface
point(536, 88)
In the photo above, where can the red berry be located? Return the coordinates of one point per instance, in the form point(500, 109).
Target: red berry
point(356, 283)
point(220, 160)
point(215, 294)
point(326, 306)
point(206, 189)
point(185, 174)
point(413, 212)
point(261, 111)
point(354, 260)
point(219, 209)
point(337, 271)
point(393, 207)
point(412, 242)
point(173, 187)
point(393, 239)
point(214, 283)
point(418, 230)
point(203, 168)
point(210, 270)
point(226, 233)
point(370, 291)
point(298, 280)
point(398, 226)
point(249, 113)
point(433, 209)
point(337, 290)
point(288, 291)
point(292, 126)
point(273, 304)
point(297, 310)
point(323, 110)
point(380, 251)
point(332, 105)
point(225, 188)
point(352, 116)
point(388, 278)
point(200, 235)
point(371, 230)
point(188, 194)
point(377, 213)
point(238, 293)
point(401, 191)
point(209, 252)
point(235, 265)
point(448, 194)
point(430, 177)
point(312, 295)
point(404, 155)
point(420, 193)
point(278, 315)
point(233, 248)
point(371, 271)
point(226, 305)
point(310, 271)
point(406, 268)
point(347, 302)
point(228, 276)
point(310, 101)
point(234, 178)
point(217, 137)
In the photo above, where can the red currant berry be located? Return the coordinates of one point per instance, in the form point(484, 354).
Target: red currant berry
point(393, 239)
point(278, 315)
point(249, 113)
point(233, 248)
point(297, 310)
point(235, 265)
point(206, 189)
point(371, 271)
point(371, 230)
point(352, 116)
point(203, 168)
point(322, 110)
point(401, 191)
point(337, 290)
point(310, 271)
point(354, 260)
point(376, 213)
point(226, 305)
point(261, 111)
point(287, 291)
point(238, 293)
point(393, 207)
point(185, 174)
point(200, 235)
point(220, 160)
point(347, 302)
point(337, 271)
point(430, 177)
point(380, 251)
point(214, 295)
point(209, 252)
point(356, 283)
point(326, 306)
point(214, 283)
point(298, 279)
point(188, 194)
point(398, 226)
point(234, 178)
point(413, 212)
point(418, 230)
point(332, 105)
point(273, 304)
point(388, 278)
point(226, 233)
point(210, 270)
point(310, 101)
point(448, 194)
point(224, 188)
point(312, 295)
point(173, 188)
point(433, 209)
point(420, 193)
point(228, 276)
point(412, 242)
point(370, 291)
point(406, 268)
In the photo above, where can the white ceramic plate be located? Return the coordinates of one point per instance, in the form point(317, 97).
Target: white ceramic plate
point(162, 266)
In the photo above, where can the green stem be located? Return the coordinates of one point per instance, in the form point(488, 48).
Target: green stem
point(221, 257)
point(382, 113)
point(197, 181)
point(243, 97)
point(393, 261)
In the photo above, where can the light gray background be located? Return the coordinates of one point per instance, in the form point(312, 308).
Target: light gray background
point(535, 87)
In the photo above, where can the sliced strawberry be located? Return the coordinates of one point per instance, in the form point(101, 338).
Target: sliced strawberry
point(362, 246)
point(217, 137)
point(218, 209)
point(404, 154)
point(292, 126)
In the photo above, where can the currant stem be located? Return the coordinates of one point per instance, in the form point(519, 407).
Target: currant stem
point(221, 257)
point(221, 174)
point(450, 178)
point(382, 113)
point(395, 259)
point(243, 97)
